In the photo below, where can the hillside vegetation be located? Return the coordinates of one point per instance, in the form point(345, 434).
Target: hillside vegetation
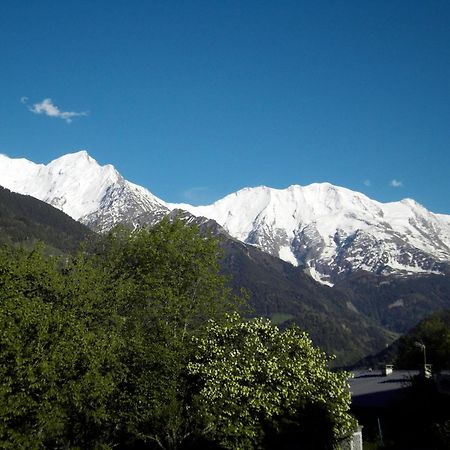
point(26, 220)
point(407, 352)
point(397, 303)
point(287, 295)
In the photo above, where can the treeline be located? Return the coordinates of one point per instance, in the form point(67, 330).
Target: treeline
point(136, 342)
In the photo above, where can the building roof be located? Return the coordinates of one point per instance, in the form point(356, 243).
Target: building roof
point(373, 389)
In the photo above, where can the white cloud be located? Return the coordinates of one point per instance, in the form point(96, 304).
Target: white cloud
point(396, 183)
point(49, 109)
point(367, 183)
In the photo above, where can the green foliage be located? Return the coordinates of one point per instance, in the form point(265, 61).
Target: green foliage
point(93, 348)
point(59, 367)
point(434, 333)
point(168, 285)
point(170, 269)
point(254, 379)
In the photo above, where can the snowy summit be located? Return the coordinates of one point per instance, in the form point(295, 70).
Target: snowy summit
point(329, 230)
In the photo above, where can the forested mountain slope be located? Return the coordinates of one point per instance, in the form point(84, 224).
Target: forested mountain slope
point(397, 303)
point(26, 220)
point(407, 352)
point(285, 294)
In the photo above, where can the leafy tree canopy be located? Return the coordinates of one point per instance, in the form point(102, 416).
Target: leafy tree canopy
point(93, 348)
point(130, 343)
point(255, 380)
point(59, 367)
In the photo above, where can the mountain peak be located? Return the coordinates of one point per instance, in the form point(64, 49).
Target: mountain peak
point(74, 183)
point(411, 203)
point(78, 158)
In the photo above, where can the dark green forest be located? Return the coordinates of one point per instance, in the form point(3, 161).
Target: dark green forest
point(26, 220)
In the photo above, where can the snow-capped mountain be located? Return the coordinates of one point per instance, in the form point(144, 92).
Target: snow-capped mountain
point(330, 231)
point(95, 195)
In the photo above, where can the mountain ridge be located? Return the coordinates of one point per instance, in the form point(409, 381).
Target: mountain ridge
point(327, 230)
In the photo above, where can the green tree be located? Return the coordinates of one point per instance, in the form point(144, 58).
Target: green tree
point(94, 348)
point(255, 381)
point(58, 365)
point(167, 282)
point(434, 333)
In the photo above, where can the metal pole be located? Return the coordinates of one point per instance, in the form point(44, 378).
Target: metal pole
point(380, 431)
point(422, 346)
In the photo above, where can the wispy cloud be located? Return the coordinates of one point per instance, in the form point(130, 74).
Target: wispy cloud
point(396, 183)
point(197, 195)
point(367, 183)
point(47, 108)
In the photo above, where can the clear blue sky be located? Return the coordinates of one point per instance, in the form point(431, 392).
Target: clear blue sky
point(196, 99)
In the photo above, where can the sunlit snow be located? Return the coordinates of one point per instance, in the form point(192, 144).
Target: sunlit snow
point(286, 254)
point(299, 224)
